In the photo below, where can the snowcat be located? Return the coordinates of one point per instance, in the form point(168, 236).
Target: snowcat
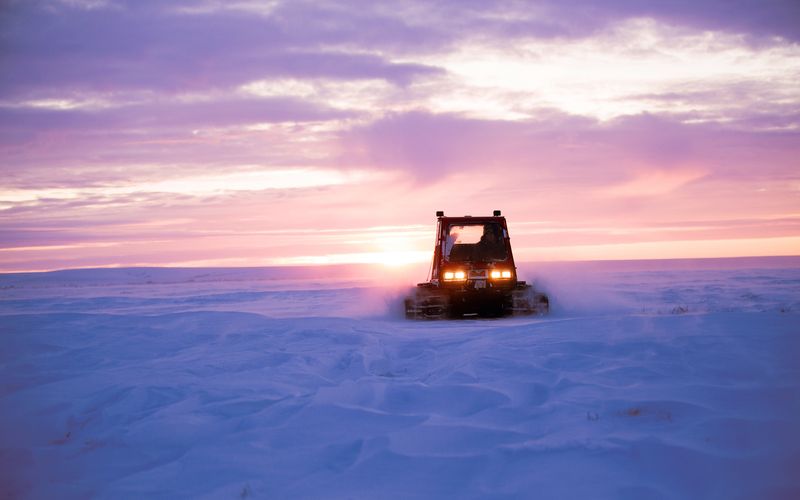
point(473, 273)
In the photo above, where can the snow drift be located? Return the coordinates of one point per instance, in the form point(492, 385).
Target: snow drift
point(643, 383)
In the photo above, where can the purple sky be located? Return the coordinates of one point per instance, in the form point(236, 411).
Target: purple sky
point(291, 132)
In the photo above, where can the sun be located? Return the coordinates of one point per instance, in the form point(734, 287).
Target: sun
point(395, 251)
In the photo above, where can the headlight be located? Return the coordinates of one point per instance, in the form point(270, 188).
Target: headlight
point(454, 275)
point(497, 274)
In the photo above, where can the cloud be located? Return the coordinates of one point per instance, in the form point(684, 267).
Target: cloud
point(654, 183)
point(169, 114)
point(198, 185)
point(581, 18)
point(118, 143)
point(460, 57)
point(429, 145)
point(152, 47)
point(619, 71)
point(178, 47)
point(750, 17)
point(560, 146)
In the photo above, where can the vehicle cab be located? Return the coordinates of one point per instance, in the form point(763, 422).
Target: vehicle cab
point(473, 253)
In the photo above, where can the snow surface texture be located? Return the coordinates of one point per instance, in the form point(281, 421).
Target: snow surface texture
point(163, 383)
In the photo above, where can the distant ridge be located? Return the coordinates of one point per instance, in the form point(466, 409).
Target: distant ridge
point(709, 263)
point(414, 272)
point(142, 275)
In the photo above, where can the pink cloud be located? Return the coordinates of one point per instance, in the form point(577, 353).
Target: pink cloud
point(654, 183)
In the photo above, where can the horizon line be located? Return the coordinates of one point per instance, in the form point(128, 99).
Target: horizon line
point(405, 265)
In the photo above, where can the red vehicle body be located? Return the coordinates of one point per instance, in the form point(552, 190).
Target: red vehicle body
point(473, 273)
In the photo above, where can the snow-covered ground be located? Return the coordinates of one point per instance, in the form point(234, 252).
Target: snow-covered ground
point(645, 382)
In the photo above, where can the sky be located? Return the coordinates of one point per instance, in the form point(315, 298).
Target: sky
point(262, 133)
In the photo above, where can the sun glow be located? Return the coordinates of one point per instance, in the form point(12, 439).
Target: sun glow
point(396, 251)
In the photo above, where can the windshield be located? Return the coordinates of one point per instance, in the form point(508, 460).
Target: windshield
point(475, 242)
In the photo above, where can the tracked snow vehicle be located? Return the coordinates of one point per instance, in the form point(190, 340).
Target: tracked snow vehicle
point(473, 273)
